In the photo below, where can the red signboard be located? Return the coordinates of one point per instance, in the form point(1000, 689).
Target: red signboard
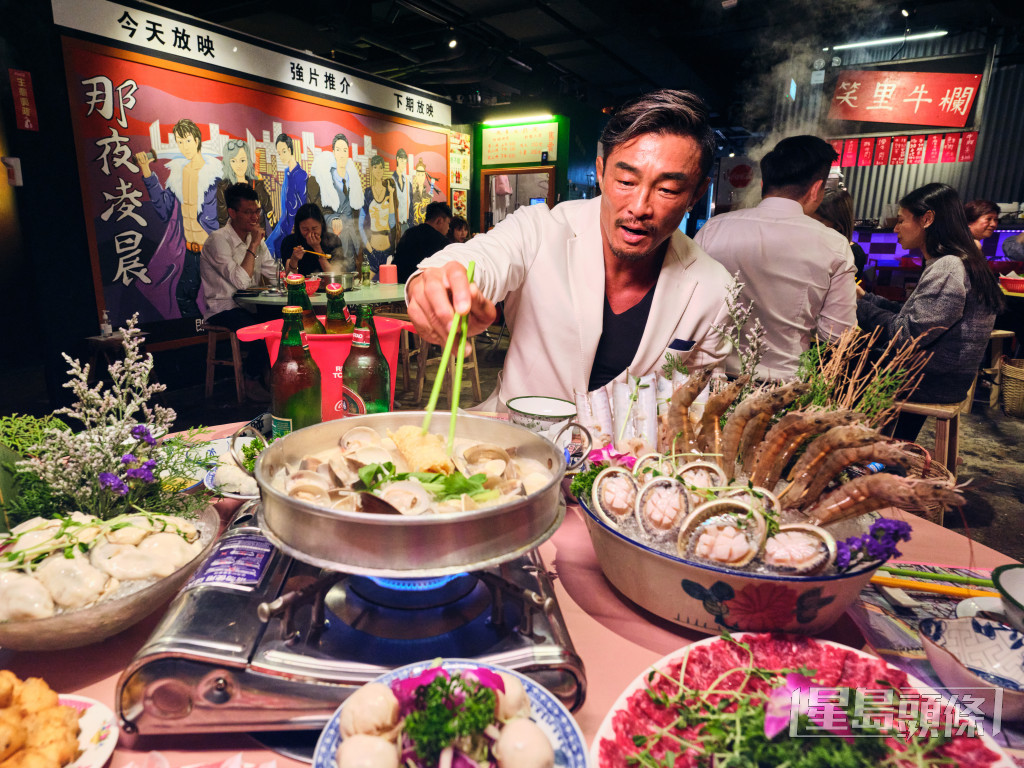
point(911, 98)
point(849, 153)
point(867, 151)
point(968, 141)
point(949, 147)
point(915, 150)
point(933, 148)
point(899, 150)
point(882, 150)
point(24, 100)
point(837, 145)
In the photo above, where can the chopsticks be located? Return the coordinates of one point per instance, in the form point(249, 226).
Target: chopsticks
point(951, 577)
point(924, 586)
point(460, 324)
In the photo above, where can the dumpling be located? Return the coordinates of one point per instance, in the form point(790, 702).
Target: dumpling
point(22, 597)
point(363, 751)
point(522, 744)
point(373, 709)
point(513, 702)
point(73, 582)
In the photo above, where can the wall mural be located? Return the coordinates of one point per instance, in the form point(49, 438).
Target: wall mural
point(159, 142)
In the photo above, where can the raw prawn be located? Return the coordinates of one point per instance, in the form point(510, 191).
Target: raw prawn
point(871, 492)
point(678, 429)
point(883, 452)
point(850, 436)
point(787, 435)
point(709, 436)
point(735, 436)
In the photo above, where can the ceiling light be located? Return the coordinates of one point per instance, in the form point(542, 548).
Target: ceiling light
point(528, 119)
point(452, 43)
point(892, 40)
point(904, 13)
point(732, 154)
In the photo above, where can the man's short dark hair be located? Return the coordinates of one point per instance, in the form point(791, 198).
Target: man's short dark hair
point(401, 153)
point(339, 137)
point(236, 193)
point(186, 127)
point(795, 164)
point(284, 138)
point(681, 113)
point(436, 211)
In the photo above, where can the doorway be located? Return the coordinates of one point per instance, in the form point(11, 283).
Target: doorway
point(507, 189)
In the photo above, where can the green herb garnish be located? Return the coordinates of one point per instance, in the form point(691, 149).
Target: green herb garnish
point(449, 710)
point(442, 487)
point(583, 481)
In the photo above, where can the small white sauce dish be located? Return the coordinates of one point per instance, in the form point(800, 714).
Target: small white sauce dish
point(984, 658)
point(537, 413)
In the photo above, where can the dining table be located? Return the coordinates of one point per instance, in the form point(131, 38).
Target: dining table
point(616, 639)
point(374, 293)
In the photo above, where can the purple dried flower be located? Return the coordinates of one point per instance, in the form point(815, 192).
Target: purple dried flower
point(141, 432)
point(113, 482)
point(879, 543)
point(842, 555)
point(143, 473)
point(128, 458)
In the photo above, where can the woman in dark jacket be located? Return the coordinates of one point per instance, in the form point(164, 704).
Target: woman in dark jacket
point(953, 308)
point(310, 247)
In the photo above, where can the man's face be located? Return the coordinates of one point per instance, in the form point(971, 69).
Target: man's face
point(284, 153)
point(340, 155)
point(246, 217)
point(188, 145)
point(443, 225)
point(647, 186)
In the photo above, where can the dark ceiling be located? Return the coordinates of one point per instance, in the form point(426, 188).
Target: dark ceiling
point(600, 52)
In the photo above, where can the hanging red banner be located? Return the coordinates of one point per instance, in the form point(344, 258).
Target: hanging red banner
point(837, 145)
point(933, 148)
point(849, 153)
point(882, 150)
point(915, 150)
point(867, 151)
point(899, 150)
point(24, 100)
point(949, 146)
point(968, 141)
point(911, 98)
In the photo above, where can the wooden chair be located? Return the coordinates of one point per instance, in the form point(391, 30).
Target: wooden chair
point(996, 339)
point(215, 333)
point(470, 370)
point(947, 429)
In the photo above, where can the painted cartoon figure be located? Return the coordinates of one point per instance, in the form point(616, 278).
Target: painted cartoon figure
point(335, 186)
point(377, 219)
point(189, 206)
point(238, 167)
point(421, 196)
point(402, 186)
point(293, 192)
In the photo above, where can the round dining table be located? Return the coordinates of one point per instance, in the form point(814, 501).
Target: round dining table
point(615, 639)
point(375, 293)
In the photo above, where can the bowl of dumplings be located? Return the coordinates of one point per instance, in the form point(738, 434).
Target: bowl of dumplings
point(84, 593)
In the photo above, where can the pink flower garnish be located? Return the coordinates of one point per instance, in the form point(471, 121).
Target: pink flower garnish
point(405, 689)
point(779, 710)
point(609, 454)
point(486, 678)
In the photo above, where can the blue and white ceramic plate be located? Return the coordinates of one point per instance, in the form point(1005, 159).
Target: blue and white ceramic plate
point(547, 711)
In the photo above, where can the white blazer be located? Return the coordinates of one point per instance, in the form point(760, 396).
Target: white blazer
point(548, 267)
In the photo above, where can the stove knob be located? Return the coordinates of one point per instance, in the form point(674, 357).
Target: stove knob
point(169, 699)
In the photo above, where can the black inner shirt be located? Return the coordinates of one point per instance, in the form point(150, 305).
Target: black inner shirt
point(620, 339)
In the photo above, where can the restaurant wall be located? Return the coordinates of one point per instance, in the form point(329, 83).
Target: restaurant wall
point(997, 170)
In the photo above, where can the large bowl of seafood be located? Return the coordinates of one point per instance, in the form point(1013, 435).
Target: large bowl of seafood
point(121, 572)
point(735, 519)
point(373, 495)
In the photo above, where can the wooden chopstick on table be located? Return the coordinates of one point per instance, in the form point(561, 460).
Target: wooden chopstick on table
point(925, 586)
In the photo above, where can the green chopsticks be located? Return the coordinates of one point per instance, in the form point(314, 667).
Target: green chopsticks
point(460, 325)
point(950, 577)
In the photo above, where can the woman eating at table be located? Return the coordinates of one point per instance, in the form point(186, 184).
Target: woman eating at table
point(310, 247)
point(982, 219)
point(953, 307)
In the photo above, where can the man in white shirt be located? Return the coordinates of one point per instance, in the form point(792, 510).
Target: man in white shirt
point(234, 257)
point(798, 273)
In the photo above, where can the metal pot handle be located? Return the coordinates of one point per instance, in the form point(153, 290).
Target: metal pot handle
point(247, 430)
point(588, 442)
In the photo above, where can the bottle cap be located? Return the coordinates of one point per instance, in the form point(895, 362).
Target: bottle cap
point(334, 288)
point(294, 279)
point(292, 310)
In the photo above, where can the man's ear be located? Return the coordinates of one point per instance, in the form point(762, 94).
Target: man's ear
point(599, 166)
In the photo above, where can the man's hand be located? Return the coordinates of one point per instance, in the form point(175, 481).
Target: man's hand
point(143, 160)
point(257, 238)
point(438, 294)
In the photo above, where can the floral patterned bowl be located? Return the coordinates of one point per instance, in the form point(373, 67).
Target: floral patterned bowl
point(537, 413)
point(711, 599)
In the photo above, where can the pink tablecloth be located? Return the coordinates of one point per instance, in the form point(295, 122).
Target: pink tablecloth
point(615, 639)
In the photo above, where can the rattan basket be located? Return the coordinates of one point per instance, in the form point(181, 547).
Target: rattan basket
point(924, 467)
point(1011, 388)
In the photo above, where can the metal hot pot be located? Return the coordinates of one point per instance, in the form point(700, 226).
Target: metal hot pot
point(400, 545)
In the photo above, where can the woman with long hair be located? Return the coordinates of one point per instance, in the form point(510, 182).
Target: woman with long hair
point(836, 212)
point(952, 309)
point(310, 247)
point(238, 167)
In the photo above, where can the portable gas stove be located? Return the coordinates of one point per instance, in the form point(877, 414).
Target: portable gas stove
point(260, 641)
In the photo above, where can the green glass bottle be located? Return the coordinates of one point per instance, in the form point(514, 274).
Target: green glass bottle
point(295, 400)
point(297, 297)
point(366, 376)
point(339, 320)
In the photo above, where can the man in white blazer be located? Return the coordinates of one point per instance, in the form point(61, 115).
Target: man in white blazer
point(600, 289)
